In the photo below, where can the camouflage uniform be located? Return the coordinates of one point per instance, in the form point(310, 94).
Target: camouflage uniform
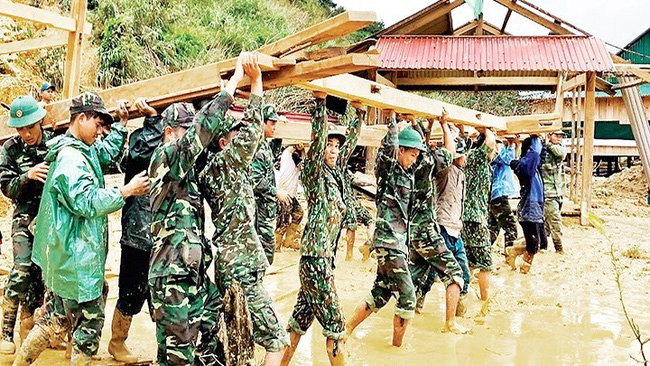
point(25, 284)
point(177, 270)
point(326, 201)
point(227, 185)
point(475, 232)
point(552, 171)
point(265, 197)
point(356, 213)
point(391, 241)
point(429, 254)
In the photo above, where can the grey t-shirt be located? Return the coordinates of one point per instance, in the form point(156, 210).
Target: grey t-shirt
point(450, 184)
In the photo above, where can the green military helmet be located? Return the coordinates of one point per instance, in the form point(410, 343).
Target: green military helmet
point(24, 112)
point(270, 113)
point(461, 148)
point(410, 138)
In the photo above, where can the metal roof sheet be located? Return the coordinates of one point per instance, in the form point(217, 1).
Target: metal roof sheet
point(494, 53)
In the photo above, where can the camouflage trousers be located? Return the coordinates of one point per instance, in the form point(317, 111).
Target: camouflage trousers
point(356, 214)
point(393, 276)
point(267, 331)
point(265, 227)
point(553, 220)
point(178, 303)
point(25, 284)
point(288, 214)
point(502, 217)
point(432, 257)
point(85, 320)
point(476, 238)
point(318, 299)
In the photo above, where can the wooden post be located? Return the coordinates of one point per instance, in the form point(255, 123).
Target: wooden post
point(72, 74)
point(371, 152)
point(574, 147)
point(588, 157)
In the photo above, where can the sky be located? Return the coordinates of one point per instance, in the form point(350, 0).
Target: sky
point(614, 21)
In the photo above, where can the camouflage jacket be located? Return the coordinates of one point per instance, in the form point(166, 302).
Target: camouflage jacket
point(477, 184)
point(228, 189)
point(263, 177)
point(176, 204)
point(16, 159)
point(553, 171)
point(136, 213)
point(324, 186)
point(423, 210)
point(394, 194)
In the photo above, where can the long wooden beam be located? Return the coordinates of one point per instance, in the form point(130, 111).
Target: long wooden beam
point(588, 155)
point(30, 13)
point(370, 136)
point(72, 72)
point(381, 96)
point(466, 28)
point(534, 123)
point(506, 19)
point(574, 82)
point(437, 13)
point(487, 80)
point(332, 28)
point(552, 26)
point(54, 40)
point(203, 82)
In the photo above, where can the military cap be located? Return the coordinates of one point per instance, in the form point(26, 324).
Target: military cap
point(410, 138)
point(461, 148)
point(334, 132)
point(46, 86)
point(178, 115)
point(90, 102)
point(271, 114)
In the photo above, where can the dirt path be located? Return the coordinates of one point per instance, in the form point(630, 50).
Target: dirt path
point(566, 311)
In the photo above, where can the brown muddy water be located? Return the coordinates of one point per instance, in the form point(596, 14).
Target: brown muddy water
point(566, 311)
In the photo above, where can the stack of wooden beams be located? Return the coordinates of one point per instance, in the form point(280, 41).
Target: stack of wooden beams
point(279, 64)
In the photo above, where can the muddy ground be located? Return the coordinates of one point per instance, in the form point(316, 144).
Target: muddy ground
point(566, 311)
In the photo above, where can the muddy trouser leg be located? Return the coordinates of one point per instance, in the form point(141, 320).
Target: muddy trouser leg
point(86, 320)
point(133, 282)
point(25, 284)
point(553, 220)
point(265, 226)
point(440, 260)
point(458, 250)
point(494, 224)
point(393, 276)
point(178, 303)
point(318, 298)
point(532, 235)
point(420, 273)
point(267, 331)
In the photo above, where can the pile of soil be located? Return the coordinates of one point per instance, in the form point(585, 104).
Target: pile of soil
point(624, 192)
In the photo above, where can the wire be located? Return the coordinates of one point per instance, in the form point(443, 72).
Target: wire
point(628, 50)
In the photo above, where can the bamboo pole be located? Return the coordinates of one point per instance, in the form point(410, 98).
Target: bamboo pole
point(587, 164)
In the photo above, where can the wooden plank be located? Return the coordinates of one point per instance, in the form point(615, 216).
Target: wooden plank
point(604, 86)
point(555, 28)
point(492, 29)
point(588, 153)
point(72, 73)
point(204, 82)
point(534, 123)
point(631, 67)
point(644, 75)
point(430, 17)
point(631, 84)
point(506, 19)
point(377, 95)
point(33, 14)
point(559, 96)
point(470, 80)
point(371, 152)
point(332, 28)
point(555, 18)
point(574, 82)
point(466, 28)
point(54, 40)
point(382, 80)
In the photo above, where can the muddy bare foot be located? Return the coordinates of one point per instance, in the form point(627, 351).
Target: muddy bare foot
point(453, 327)
point(485, 308)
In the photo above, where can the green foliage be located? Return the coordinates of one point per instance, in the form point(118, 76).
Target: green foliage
point(503, 103)
point(140, 39)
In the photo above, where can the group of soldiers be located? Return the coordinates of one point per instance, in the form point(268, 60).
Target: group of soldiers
point(439, 210)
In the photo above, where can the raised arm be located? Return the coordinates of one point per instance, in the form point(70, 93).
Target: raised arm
point(529, 162)
point(110, 149)
point(315, 158)
point(352, 135)
point(241, 150)
point(387, 154)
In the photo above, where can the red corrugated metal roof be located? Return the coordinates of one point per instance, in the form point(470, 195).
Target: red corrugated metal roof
point(492, 53)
